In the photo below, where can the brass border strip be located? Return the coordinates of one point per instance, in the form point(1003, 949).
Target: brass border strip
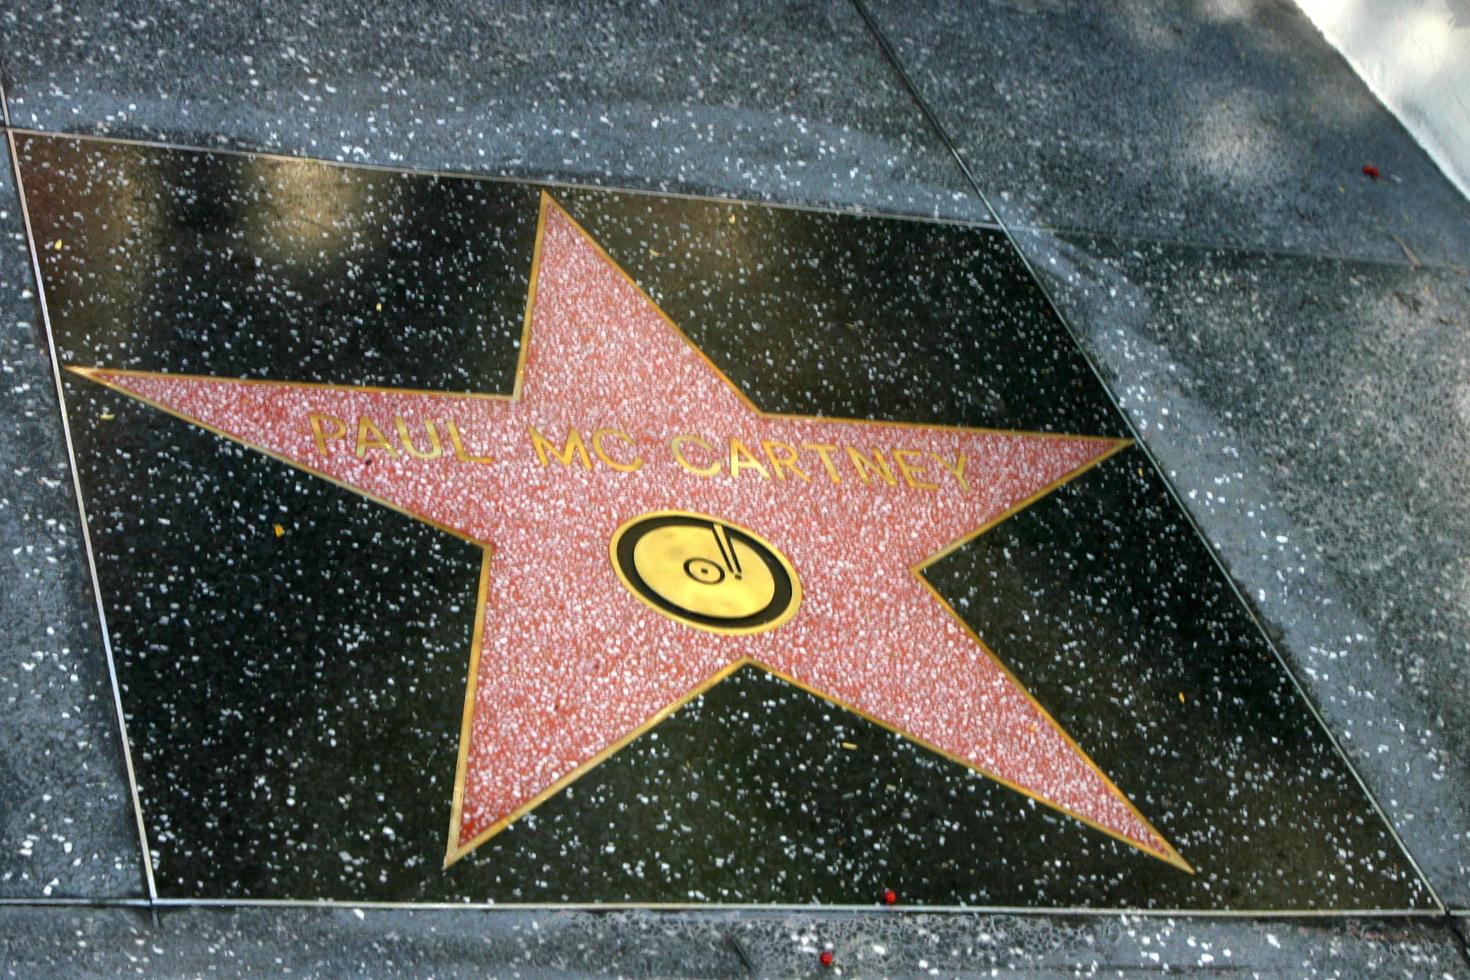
point(817, 911)
point(456, 850)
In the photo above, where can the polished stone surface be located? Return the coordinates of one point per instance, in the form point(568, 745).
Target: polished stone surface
point(774, 99)
point(1313, 414)
point(619, 556)
point(293, 656)
point(1226, 121)
point(66, 815)
point(379, 943)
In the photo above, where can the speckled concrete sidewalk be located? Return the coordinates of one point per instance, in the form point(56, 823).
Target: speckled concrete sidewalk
point(1286, 334)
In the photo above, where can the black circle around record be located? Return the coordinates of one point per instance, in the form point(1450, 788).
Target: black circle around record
point(774, 610)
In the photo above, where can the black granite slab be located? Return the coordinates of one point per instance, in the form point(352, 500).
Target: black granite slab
point(773, 99)
point(1313, 413)
point(278, 758)
point(1229, 123)
point(66, 814)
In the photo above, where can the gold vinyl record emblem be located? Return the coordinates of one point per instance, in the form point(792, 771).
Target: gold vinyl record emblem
point(706, 572)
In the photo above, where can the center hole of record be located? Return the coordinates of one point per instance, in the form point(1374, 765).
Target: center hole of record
point(705, 571)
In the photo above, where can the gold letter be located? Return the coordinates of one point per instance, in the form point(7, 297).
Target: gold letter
point(458, 441)
point(785, 461)
point(912, 474)
point(369, 436)
point(435, 449)
point(743, 459)
point(678, 446)
point(321, 437)
point(628, 467)
point(957, 470)
point(563, 456)
point(822, 449)
point(877, 465)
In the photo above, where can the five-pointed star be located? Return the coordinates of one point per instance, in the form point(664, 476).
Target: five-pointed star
point(615, 415)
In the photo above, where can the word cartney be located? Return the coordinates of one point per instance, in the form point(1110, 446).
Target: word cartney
point(761, 459)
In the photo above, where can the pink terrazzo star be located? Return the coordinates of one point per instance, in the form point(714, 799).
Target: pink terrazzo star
point(616, 415)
